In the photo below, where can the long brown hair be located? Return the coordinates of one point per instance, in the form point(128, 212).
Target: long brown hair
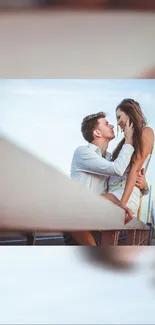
point(133, 110)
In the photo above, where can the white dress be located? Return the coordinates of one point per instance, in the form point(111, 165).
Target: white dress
point(116, 186)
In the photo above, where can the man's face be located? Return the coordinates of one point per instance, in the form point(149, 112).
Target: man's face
point(104, 129)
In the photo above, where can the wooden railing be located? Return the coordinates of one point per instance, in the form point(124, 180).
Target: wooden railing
point(134, 237)
point(35, 197)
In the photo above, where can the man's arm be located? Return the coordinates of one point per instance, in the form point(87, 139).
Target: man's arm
point(89, 161)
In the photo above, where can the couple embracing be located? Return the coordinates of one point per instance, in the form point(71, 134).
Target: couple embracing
point(120, 176)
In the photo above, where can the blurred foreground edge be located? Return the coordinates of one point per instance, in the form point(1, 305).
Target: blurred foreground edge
point(79, 4)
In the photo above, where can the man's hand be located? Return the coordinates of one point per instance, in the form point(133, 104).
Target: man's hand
point(141, 182)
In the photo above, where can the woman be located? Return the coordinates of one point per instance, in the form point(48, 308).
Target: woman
point(124, 188)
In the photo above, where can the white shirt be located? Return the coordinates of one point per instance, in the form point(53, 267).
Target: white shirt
point(91, 169)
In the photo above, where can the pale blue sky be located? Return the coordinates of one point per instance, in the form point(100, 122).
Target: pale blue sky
point(45, 115)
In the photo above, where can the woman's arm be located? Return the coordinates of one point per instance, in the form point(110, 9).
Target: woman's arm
point(147, 146)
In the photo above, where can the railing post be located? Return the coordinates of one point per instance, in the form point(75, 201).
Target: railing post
point(109, 237)
point(150, 233)
point(131, 237)
point(30, 239)
point(138, 237)
point(142, 236)
point(145, 238)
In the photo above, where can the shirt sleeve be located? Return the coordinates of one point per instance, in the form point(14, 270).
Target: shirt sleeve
point(91, 162)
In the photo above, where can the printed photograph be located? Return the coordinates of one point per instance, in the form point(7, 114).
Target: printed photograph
point(97, 134)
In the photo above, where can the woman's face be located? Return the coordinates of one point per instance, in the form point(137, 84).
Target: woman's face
point(122, 118)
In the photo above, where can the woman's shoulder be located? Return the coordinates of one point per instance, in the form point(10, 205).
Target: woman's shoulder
point(148, 139)
point(147, 131)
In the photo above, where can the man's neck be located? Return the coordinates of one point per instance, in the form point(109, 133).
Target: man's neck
point(102, 144)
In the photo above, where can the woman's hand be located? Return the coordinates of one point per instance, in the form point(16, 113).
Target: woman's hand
point(113, 198)
point(129, 214)
point(128, 133)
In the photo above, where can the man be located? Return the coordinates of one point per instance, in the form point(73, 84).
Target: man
point(92, 165)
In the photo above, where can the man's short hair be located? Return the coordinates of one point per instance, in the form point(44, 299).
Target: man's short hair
point(89, 124)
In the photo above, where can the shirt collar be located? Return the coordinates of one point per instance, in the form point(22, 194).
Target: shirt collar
point(98, 150)
point(95, 148)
